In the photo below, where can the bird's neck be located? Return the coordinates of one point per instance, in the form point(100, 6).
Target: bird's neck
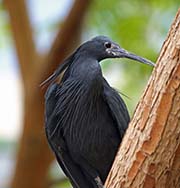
point(88, 72)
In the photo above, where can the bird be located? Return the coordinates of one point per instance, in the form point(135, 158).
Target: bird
point(85, 118)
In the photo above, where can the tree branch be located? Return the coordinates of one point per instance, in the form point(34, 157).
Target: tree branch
point(66, 39)
point(149, 154)
point(22, 35)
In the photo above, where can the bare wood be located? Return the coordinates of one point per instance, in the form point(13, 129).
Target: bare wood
point(149, 156)
point(23, 36)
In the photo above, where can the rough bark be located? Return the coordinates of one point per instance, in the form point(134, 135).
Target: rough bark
point(34, 156)
point(149, 156)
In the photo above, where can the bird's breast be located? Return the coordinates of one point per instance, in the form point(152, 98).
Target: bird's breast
point(88, 122)
point(85, 122)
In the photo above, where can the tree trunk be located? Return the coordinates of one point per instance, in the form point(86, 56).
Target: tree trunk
point(34, 156)
point(149, 156)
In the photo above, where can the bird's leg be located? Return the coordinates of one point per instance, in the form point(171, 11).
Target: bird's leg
point(91, 173)
point(99, 182)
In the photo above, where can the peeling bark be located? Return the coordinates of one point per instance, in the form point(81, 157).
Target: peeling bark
point(149, 156)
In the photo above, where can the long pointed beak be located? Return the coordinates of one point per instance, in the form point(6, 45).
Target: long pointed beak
point(122, 53)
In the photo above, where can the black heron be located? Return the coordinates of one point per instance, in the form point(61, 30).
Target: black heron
point(85, 117)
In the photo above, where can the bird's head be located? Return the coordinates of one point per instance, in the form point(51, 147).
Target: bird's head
point(101, 47)
point(98, 48)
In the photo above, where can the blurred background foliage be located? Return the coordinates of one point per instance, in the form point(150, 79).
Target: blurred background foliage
point(139, 26)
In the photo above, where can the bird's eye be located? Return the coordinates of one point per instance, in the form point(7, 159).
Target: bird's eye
point(107, 44)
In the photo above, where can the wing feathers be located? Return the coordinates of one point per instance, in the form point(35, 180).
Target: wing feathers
point(117, 107)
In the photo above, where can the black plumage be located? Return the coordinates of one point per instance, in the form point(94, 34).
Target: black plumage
point(85, 117)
